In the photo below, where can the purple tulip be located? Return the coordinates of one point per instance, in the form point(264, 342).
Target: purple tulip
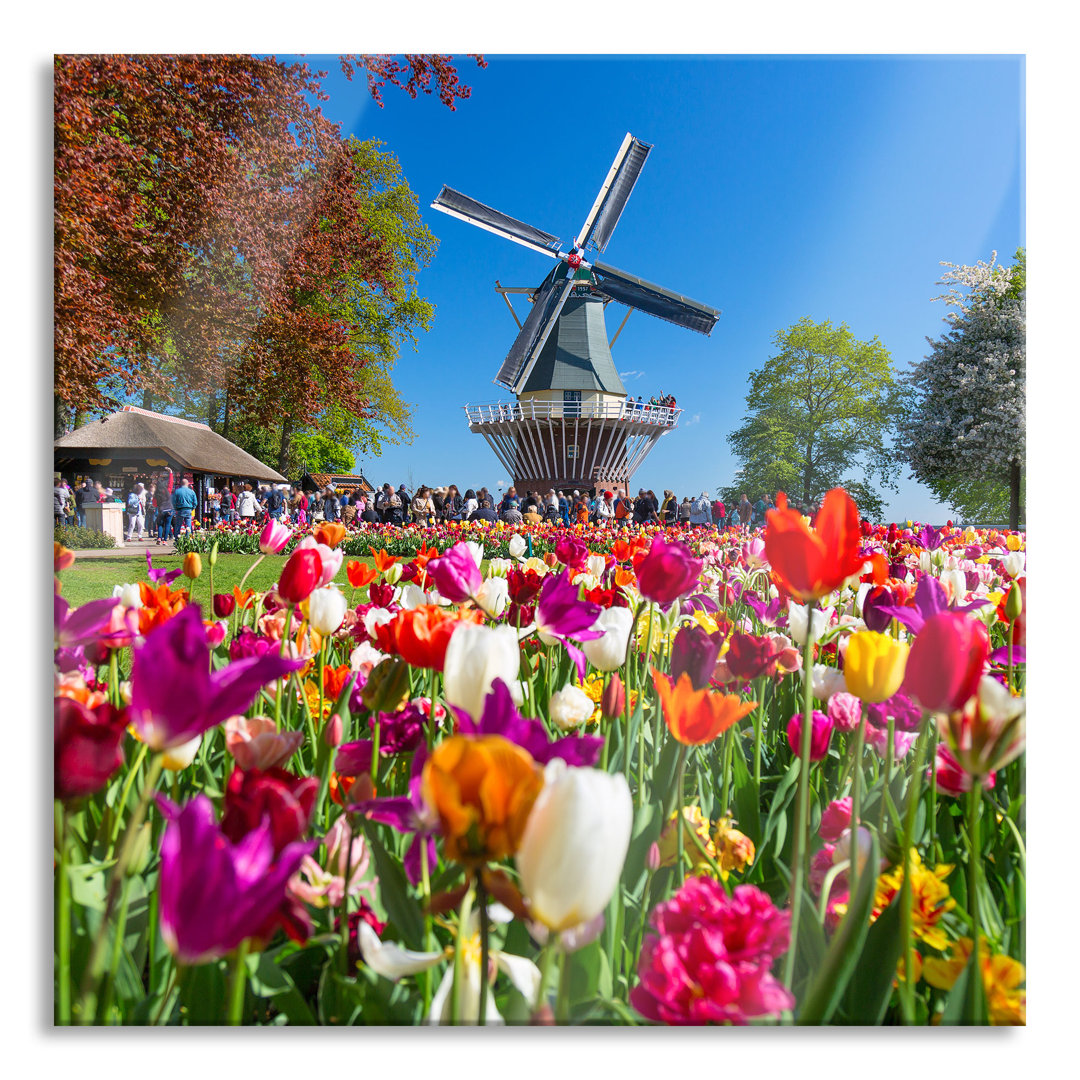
point(562, 614)
point(929, 538)
point(930, 598)
point(214, 893)
point(667, 572)
point(174, 696)
point(456, 575)
point(694, 651)
point(906, 715)
point(501, 717)
point(407, 814)
point(83, 625)
point(160, 576)
point(876, 608)
point(571, 552)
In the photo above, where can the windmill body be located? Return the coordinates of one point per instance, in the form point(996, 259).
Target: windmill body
point(571, 424)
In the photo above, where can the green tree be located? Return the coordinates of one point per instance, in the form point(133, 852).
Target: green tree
point(818, 414)
point(963, 428)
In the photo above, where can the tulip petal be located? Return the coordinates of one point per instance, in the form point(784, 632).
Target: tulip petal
point(391, 961)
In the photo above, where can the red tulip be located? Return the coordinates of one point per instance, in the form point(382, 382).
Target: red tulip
point(224, 605)
point(86, 747)
point(811, 563)
point(946, 662)
point(300, 575)
point(254, 794)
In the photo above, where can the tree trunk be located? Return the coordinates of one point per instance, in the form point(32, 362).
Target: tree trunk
point(1015, 509)
point(286, 445)
point(148, 400)
point(225, 422)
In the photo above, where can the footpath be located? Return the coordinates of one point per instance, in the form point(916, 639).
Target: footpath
point(131, 549)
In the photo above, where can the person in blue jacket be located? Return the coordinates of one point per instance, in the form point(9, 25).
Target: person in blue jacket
point(184, 503)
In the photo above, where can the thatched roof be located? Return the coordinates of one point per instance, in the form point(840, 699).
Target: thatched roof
point(338, 481)
point(141, 433)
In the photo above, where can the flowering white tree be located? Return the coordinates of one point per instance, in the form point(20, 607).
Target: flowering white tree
point(963, 433)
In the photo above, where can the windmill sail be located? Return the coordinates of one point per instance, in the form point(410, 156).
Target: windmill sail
point(547, 304)
point(611, 201)
point(476, 213)
point(637, 293)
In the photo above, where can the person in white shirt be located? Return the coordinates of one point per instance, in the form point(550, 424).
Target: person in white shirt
point(605, 508)
point(248, 503)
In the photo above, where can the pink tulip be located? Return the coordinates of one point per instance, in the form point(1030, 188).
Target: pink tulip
point(820, 734)
point(273, 537)
point(835, 818)
point(256, 744)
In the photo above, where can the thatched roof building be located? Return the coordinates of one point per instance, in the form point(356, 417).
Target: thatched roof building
point(137, 441)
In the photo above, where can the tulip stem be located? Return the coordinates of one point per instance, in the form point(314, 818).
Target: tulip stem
point(932, 817)
point(122, 801)
point(679, 771)
point(281, 652)
point(907, 987)
point(248, 573)
point(803, 807)
point(974, 854)
point(63, 926)
point(856, 802)
point(425, 885)
point(886, 795)
point(322, 684)
point(114, 962)
point(88, 990)
point(481, 900)
point(759, 719)
point(457, 992)
point(114, 680)
point(562, 997)
point(238, 984)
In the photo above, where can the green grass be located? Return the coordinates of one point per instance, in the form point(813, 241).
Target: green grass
point(92, 579)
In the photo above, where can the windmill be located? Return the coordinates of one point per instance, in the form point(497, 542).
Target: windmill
point(571, 424)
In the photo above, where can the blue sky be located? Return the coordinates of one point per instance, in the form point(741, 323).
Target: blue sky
point(777, 187)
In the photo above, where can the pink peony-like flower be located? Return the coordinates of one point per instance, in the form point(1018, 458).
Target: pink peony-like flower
point(256, 744)
point(878, 738)
point(709, 956)
point(845, 711)
point(835, 818)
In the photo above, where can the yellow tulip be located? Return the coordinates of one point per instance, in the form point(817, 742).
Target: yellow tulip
point(874, 665)
point(192, 565)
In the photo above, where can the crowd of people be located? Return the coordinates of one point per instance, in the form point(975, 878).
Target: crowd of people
point(161, 508)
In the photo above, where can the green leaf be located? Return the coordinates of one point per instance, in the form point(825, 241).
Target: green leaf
point(203, 993)
point(966, 1004)
point(747, 810)
point(870, 987)
point(821, 1000)
point(268, 980)
point(403, 911)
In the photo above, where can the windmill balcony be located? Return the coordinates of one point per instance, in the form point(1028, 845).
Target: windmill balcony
point(632, 412)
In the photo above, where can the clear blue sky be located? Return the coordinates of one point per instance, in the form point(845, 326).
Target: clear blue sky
point(778, 187)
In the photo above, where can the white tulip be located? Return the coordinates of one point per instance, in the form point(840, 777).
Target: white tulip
point(575, 842)
point(326, 609)
point(493, 595)
point(365, 656)
point(570, 707)
point(499, 567)
point(475, 657)
point(607, 653)
point(797, 622)
point(389, 960)
point(476, 551)
point(377, 616)
point(925, 562)
point(958, 580)
point(180, 757)
point(392, 574)
point(517, 545)
point(842, 851)
point(1014, 564)
point(129, 595)
point(410, 596)
point(595, 565)
point(826, 681)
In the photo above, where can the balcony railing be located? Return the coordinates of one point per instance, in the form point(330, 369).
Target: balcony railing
point(639, 412)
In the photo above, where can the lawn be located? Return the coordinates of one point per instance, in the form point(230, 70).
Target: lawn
point(92, 579)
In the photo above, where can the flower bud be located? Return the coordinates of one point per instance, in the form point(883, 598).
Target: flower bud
point(613, 700)
point(192, 565)
point(820, 734)
point(326, 609)
point(1014, 602)
point(224, 605)
point(947, 661)
point(332, 733)
point(300, 575)
point(874, 665)
point(570, 707)
point(393, 573)
point(213, 555)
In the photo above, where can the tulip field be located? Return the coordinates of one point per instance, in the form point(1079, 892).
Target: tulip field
point(575, 776)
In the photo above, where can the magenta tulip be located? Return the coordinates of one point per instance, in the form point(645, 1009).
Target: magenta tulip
point(668, 572)
point(820, 734)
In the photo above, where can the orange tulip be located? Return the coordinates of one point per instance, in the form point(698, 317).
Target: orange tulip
point(425, 555)
point(383, 562)
point(624, 577)
point(622, 550)
point(243, 599)
point(482, 788)
point(811, 563)
point(696, 717)
point(359, 574)
point(420, 636)
point(158, 605)
point(62, 557)
point(879, 569)
point(330, 533)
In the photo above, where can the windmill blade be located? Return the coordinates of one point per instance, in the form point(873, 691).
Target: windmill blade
point(549, 298)
point(637, 293)
point(556, 300)
point(476, 213)
point(620, 181)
